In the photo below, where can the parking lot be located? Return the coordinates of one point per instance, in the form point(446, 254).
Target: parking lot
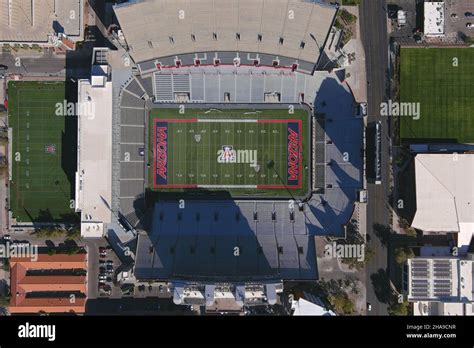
point(104, 265)
point(455, 17)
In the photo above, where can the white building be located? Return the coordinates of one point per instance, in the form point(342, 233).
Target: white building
point(445, 195)
point(441, 285)
point(94, 160)
point(310, 306)
point(434, 19)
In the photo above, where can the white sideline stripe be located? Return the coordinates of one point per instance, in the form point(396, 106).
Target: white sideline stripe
point(208, 120)
point(227, 186)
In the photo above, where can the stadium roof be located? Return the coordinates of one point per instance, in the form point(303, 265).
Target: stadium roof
point(288, 28)
point(24, 285)
point(35, 20)
point(445, 194)
point(94, 160)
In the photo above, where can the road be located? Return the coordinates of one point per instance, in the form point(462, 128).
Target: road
point(76, 65)
point(375, 40)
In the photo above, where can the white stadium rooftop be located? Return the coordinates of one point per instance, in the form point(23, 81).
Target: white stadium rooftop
point(164, 28)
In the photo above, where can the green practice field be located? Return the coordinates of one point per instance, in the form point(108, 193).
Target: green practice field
point(238, 151)
point(445, 93)
point(40, 188)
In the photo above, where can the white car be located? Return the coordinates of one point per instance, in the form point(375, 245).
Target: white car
point(102, 277)
point(469, 25)
point(369, 307)
point(7, 237)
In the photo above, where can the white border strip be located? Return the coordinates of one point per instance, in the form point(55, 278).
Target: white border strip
point(208, 120)
point(227, 186)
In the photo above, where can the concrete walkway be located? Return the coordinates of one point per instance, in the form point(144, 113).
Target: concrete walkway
point(357, 79)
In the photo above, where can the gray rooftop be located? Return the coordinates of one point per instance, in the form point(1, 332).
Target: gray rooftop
point(35, 20)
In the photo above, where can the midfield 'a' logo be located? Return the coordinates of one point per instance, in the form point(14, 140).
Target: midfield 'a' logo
point(227, 154)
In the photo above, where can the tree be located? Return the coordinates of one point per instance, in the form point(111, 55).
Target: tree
point(73, 234)
point(398, 308)
point(403, 254)
point(4, 301)
point(341, 303)
point(357, 263)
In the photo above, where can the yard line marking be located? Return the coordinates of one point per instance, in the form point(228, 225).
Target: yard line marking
point(226, 120)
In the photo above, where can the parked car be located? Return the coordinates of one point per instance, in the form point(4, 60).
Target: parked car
point(141, 151)
point(102, 277)
point(469, 25)
point(109, 263)
point(7, 237)
point(369, 307)
point(363, 109)
point(468, 14)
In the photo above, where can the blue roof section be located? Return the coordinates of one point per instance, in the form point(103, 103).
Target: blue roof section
point(332, 209)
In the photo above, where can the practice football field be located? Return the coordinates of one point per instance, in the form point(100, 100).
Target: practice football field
point(441, 80)
point(39, 189)
point(228, 150)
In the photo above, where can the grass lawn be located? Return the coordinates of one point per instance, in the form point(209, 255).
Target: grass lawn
point(44, 153)
point(445, 94)
point(196, 157)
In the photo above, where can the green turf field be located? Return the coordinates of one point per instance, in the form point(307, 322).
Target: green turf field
point(40, 189)
point(445, 93)
point(238, 151)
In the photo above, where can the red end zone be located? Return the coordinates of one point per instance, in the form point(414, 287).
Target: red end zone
point(294, 154)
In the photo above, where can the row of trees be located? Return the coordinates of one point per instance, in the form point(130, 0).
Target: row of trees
point(51, 232)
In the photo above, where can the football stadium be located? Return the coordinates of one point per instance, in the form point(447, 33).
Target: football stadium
point(227, 149)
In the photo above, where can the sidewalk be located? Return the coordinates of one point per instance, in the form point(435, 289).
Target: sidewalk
point(357, 79)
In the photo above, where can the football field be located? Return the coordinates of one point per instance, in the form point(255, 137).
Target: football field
point(441, 80)
point(229, 150)
point(40, 189)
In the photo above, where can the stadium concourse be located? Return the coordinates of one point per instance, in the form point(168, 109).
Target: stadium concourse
point(246, 55)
